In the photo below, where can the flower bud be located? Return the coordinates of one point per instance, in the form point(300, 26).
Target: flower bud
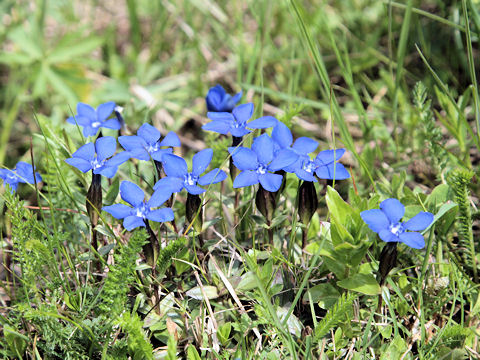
point(194, 206)
point(307, 201)
point(266, 203)
point(388, 260)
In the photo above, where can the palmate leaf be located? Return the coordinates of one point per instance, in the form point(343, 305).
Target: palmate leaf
point(72, 47)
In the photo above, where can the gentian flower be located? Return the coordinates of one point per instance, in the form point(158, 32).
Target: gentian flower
point(386, 222)
point(23, 173)
point(235, 122)
point(257, 163)
point(178, 176)
point(98, 157)
point(325, 166)
point(219, 101)
point(140, 211)
point(91, 120)
point(147, 143)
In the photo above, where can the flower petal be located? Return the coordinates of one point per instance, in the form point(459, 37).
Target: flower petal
point(305, 145)
point(172, 184)
point(217, 126)
point(270, 182)
point(118, 159)
point(212, 177)
point(130, 143)
point(86, 111)
point(239, 131)
point(80, 120)
point(80, 164)
point(236, 98)
point(245, 178)
point(149, 133)
point(332, 172)
point(283, 159)
point(263, 147)
point(200, 161)
point(25, 172)
point(105, 147)
point(105, 110)
point(263, 123)
point(413, 239)
point(419, 222)
point(131, 193)
point(194, 189)
point(174, 166)
point(159, 196)
point(243, 158)
point(282, 135)
point(118, 211)
point(375, 219)
point(243, 112)
point(86, 152)
point(90, 131)
point(161, 215)
point(158, 155)
point(393, 209)
point(132, 222)
point(111, 124)
point(171, 139)
point(387, 236)
point(107, 171)
point(329, 156)
point(221, 116)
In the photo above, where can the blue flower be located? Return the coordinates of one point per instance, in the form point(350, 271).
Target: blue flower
point(257, 163)
point(140, 211)
point(98, 157)
point(219, 101)
point(178, 176)
point(235, 122)
point(23, 173)
point(147, 143)
point(91, 120)
point(325, 166)
point(386, 222)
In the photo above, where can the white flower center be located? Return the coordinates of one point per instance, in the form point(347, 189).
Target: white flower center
point(12, 176)
point(261, 169)
point(152, 148)
point(97, 164)
point(141, 211)
point(396, 229)
point(96, 124)
point(190, 179)
point(309, 166)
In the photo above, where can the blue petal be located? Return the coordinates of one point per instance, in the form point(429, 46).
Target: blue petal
point(131, 193)
point(245, 178)
point(413, 239)
point(5, 172)
point(328, 156)
point(270, 182)
point(217, 126)
point(174, 166)
point(214, 98)
point(158, 155)
point(375, 219)
point(118, 159)
point(212, 177)
point(194, 189)
point(387, 236)
point(80, 164)
point(393, 209)
point(13, 186)
point(112, 124)
point(118, 211)
point(86, 111)
point(105, 110)
point(159, 196)
point(149, 133)
point(161, 215)
point(172, 184)
point(225, 117)
point(239, 131)
point(200, 161)
point(244, 158)
point(419, 222)
point(236, 98)
point(80, 120)
point(283, 159)
point(263, 147)
point(130, 143)
point(305, 175)
point(25, 172)
point(86, 152)
point(90, 131)
point(263, 123)
point(105, 147)
point(107, 171)
point(243, 112)
point(132, 222)
point(171, 139)
point(305, 145)
point(331, 172)
point(140, 154)
point(282, 135)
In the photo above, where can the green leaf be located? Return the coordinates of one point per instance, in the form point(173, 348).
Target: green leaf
point(211, 292)
point(192, 353)
point(72, 46)
point(362, 283)
point(112, 192)
point(248, 282)
point(395, 350)
point(223, 332)
point(326, 295)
